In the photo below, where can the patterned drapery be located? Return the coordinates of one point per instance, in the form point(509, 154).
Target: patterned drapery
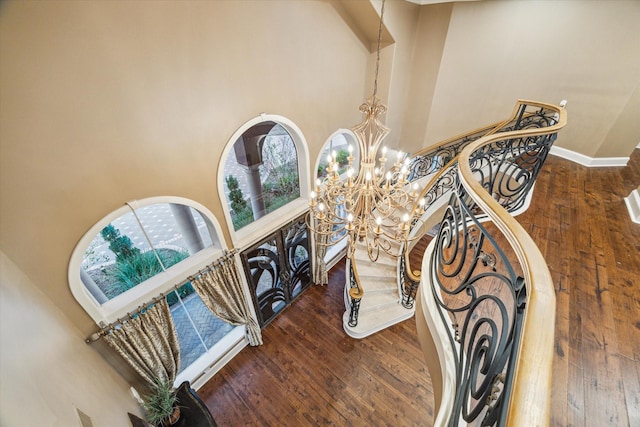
point(320, 276)
point(148, 342)
point(220, 289)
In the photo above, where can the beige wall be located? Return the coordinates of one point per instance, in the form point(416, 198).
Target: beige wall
point(625, 128)
point(46, 369)
point(102, 102)
point(105, 102)
point(582, 51)
point(431, 37)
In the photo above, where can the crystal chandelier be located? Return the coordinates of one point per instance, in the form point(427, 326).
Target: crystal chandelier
point(376, 207)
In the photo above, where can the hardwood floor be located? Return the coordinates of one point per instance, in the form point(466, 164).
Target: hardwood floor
point(309, 372)
point(580, 222)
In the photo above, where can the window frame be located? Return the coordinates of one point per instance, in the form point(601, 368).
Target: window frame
point(337, 251)
point(162, 283)
point(248, 234)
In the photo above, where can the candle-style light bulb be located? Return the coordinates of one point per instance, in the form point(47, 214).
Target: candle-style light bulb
point(378, 229)
point(405, 222)
point(349, 225)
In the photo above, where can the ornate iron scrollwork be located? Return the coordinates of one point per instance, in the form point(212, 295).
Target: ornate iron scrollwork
point(425, 164)
point(277, 268)
point(354, 302)
point(409, 287)
point(481, 297)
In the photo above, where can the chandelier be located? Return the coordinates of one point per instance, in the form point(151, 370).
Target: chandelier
point(375, 207)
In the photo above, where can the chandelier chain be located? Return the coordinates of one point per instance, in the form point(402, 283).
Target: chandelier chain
point(373, 205)
point(375, 80)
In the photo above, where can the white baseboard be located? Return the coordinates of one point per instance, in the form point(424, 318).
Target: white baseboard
point(589, 161)
point(633, 205)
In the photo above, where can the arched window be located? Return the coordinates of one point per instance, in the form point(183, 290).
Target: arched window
point(342, 144)
point(140, 244)
point(263, 168)
point(138, 251)
point(147, 248)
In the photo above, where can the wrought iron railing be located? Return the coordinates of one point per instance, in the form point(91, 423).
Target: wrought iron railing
point(507, 167)
point(508, 171)
point(355, 293)
point(525, 115)
point(486, 306)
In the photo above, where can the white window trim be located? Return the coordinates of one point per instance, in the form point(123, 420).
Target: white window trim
point(336, 252)
point(248, 234)
point(164, 282)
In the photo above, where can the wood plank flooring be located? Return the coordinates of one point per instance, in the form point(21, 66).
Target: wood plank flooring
point(580, 222)
point(309, 372)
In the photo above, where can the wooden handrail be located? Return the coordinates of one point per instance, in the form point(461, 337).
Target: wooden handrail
point(490, 130)
point(530, 400)
point(358, 291)
point(529, 397)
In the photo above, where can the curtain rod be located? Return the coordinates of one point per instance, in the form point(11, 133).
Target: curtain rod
point(228, 254)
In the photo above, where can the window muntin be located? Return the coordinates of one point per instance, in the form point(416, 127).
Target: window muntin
point(197, 328)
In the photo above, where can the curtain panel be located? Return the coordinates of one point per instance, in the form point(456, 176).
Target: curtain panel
point(220, 289)
point(148, 342)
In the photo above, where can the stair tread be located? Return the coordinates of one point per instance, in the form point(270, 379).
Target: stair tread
point(377, 283)
point(374, 300)
point(374, 321)
point(377, 272)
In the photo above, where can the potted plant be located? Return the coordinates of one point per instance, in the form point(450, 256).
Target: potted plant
point(160, 404)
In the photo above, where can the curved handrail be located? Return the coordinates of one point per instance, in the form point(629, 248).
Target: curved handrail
point(527, 388)
point(451, 147)
point(519, 118)
point(530, 400)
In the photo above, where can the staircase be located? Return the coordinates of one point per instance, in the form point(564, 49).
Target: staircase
point(380, 305)
point(380, 294)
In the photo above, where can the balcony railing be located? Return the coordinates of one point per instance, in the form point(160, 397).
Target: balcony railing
point(486, 303)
